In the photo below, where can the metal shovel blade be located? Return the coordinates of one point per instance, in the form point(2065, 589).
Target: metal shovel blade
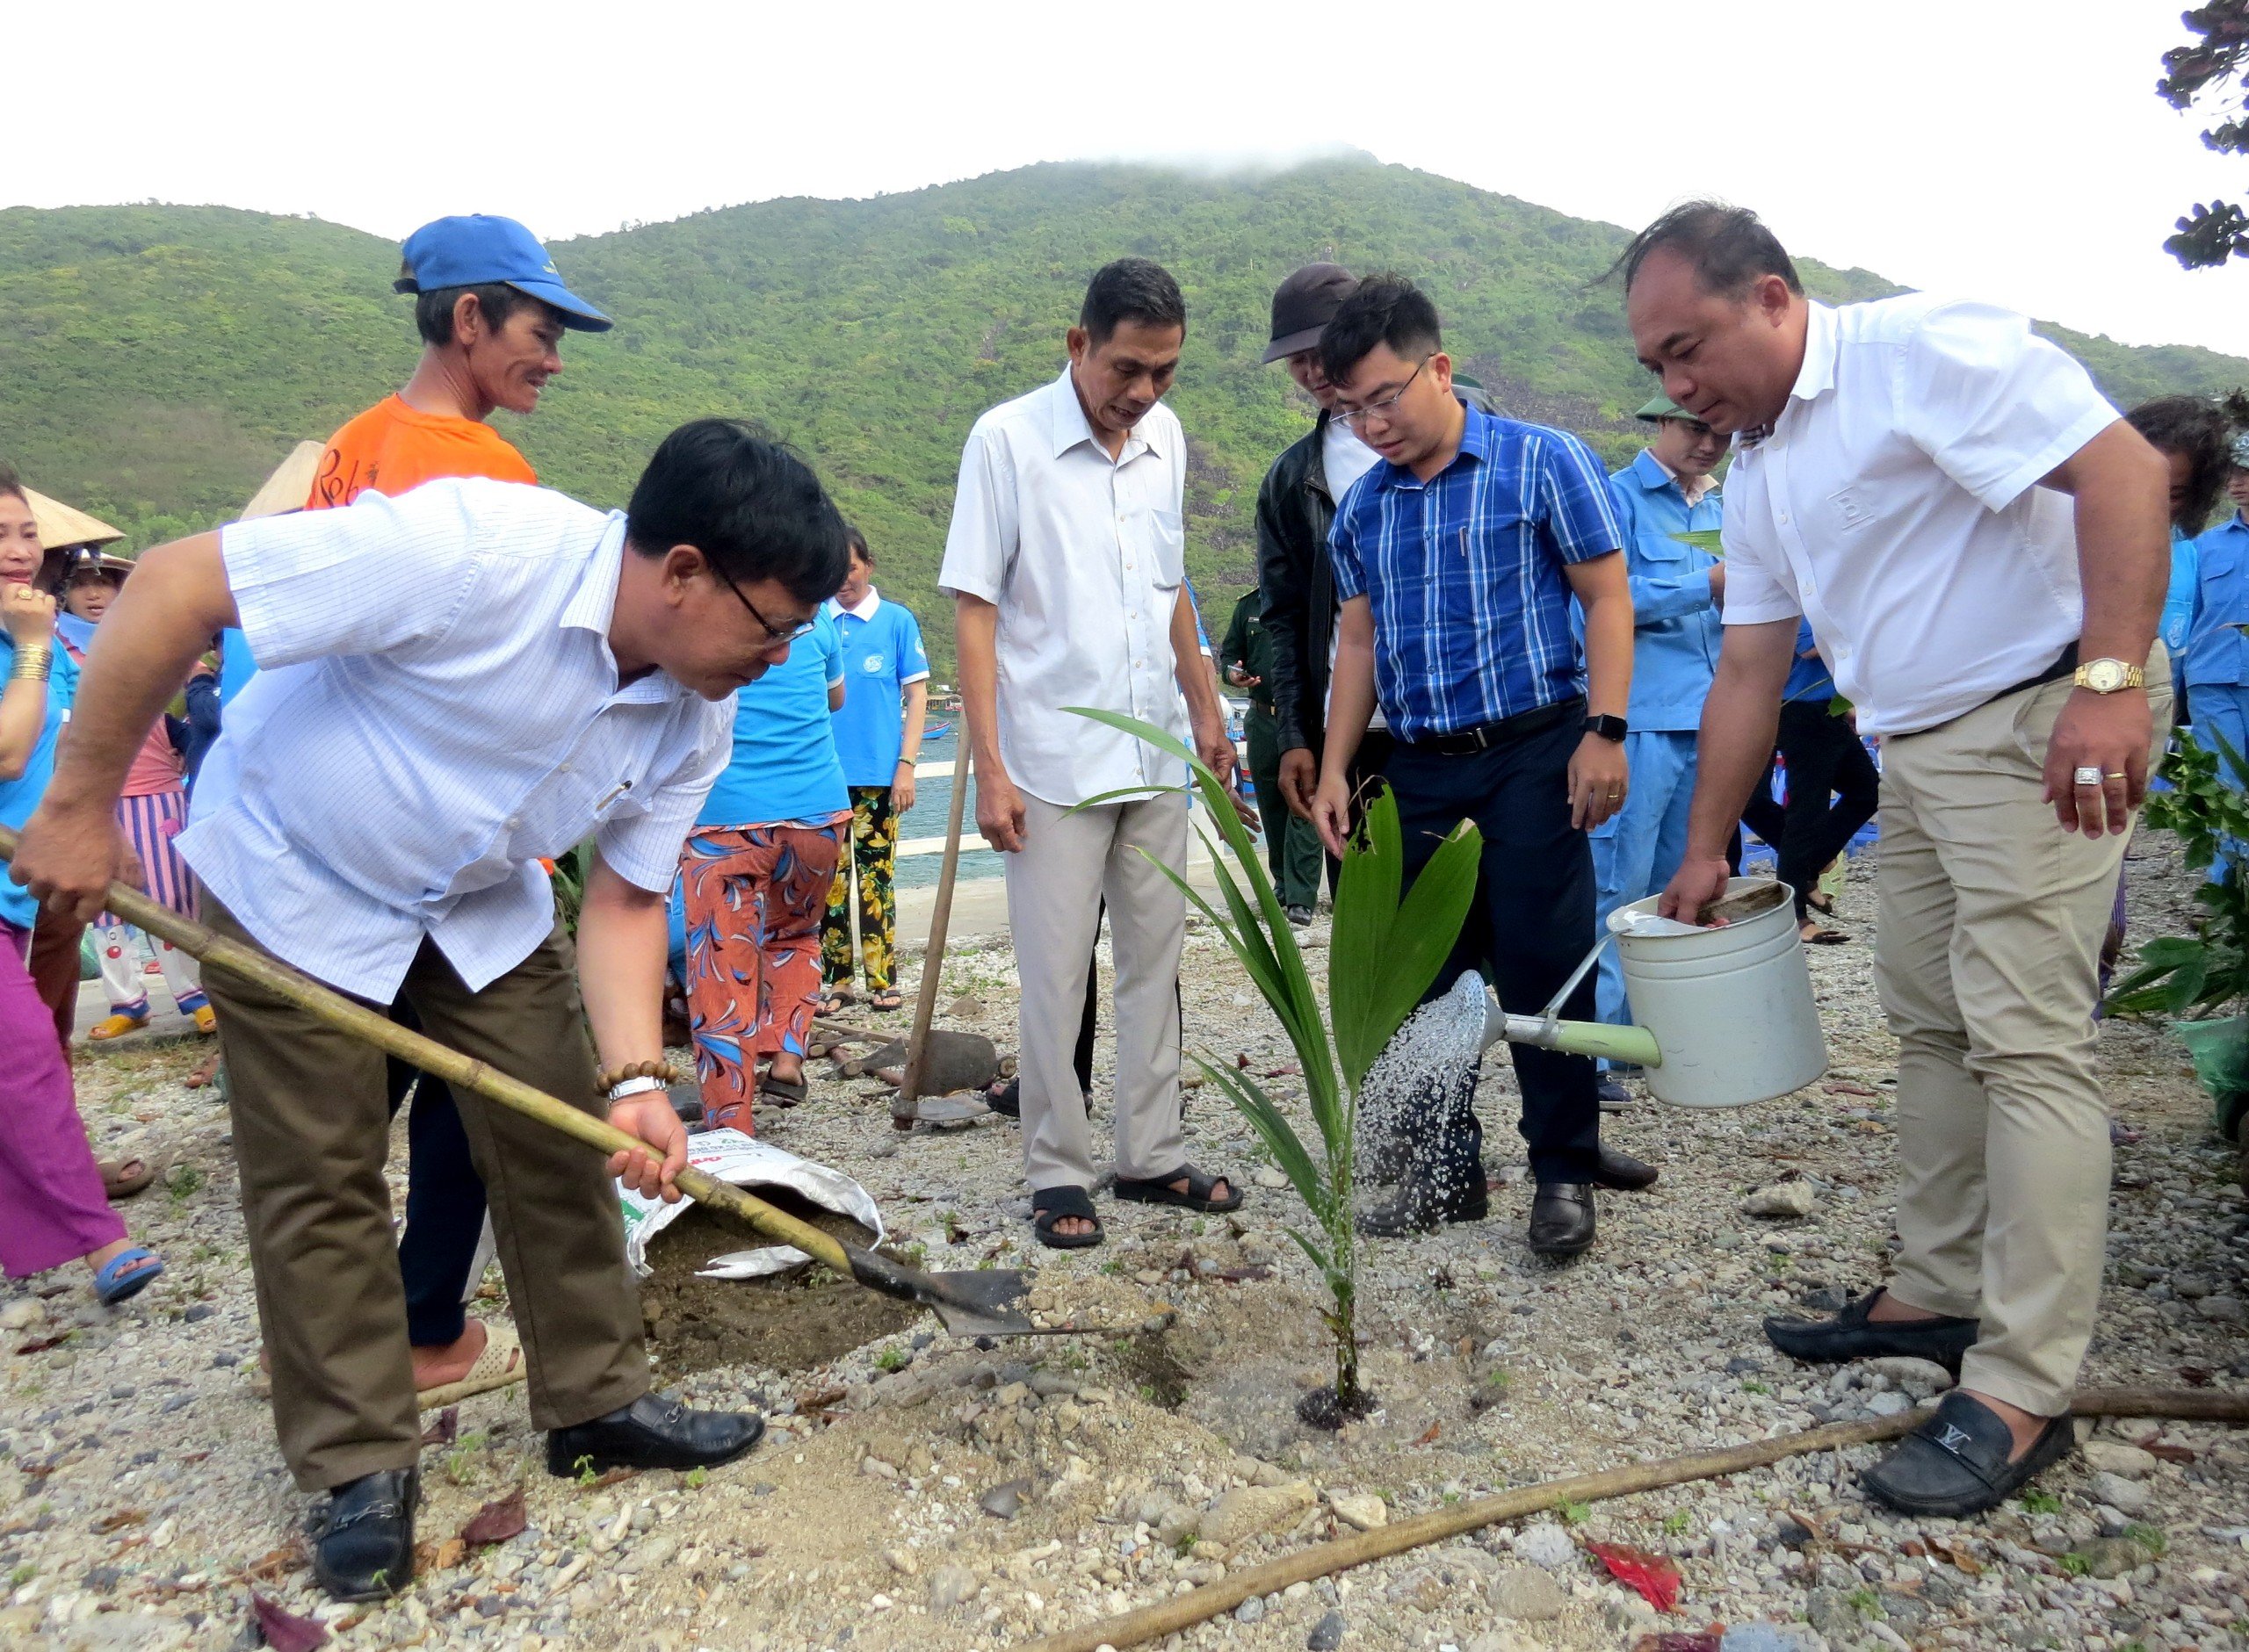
point(970, 1302)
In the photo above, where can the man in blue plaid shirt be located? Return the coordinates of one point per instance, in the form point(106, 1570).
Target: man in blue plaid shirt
point(1456, 560)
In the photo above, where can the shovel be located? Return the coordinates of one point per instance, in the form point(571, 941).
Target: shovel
point(977, 1304)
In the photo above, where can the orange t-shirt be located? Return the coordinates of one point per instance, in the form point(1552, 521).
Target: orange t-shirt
point(392, 447)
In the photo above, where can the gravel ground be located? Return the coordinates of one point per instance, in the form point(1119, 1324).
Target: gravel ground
point(919, 1492)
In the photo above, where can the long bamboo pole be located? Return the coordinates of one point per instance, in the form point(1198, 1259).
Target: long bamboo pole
point(465, 1071)
point(933, 952)
point(1181, 1611)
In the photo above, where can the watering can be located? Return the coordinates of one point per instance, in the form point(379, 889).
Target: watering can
point(1724, 1014)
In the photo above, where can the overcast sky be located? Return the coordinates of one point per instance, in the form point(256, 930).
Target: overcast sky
point(2002, 149)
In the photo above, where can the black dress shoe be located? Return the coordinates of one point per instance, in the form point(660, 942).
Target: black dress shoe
point(1851, 1334)
point(1562, 1218)
point(653, 1432)
point(1956, 1463)
point(1624, 1172)
point(1423, 1206)
point(363, 1541)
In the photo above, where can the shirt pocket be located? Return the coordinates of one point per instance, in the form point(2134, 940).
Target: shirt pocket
point(1167, 548)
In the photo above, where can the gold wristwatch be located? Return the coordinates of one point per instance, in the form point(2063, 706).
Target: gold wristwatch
point(2106, 676)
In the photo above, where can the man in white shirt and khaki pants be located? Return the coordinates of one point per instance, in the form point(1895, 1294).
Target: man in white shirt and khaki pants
point(1067, 564)
point(457, 683)
point(1981, 545)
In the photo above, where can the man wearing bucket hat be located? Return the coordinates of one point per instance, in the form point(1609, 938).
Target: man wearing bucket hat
point(1980, 544)
point(491, 310)
point(1676, 588)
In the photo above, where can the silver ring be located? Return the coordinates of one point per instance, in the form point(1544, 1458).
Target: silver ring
point(2087, 775)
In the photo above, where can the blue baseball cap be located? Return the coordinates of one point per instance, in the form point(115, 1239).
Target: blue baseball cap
point(478, 251)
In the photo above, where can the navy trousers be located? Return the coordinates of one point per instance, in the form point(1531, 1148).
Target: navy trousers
point(1531, 924)
point(445, 1201)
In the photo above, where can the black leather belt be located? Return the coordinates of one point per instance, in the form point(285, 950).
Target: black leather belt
point(1468, 741)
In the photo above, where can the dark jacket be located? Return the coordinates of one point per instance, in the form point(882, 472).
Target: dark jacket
point(1297, 581)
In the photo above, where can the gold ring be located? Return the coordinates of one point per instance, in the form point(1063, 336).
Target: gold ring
point(2119, 776)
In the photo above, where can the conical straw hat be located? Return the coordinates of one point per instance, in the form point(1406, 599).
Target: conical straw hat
point(61, 525)
point(290, 485)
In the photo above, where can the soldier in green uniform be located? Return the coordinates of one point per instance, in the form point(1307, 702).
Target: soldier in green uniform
point(1291, 844)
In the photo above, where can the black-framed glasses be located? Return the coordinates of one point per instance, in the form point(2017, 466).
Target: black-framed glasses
point(774, 635)
point(1385, 407)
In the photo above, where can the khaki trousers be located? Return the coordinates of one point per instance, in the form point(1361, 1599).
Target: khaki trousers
point(1069, 864)
point(312, 1131)
point(1989, 918)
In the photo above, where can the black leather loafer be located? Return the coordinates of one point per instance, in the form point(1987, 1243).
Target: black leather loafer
point(1562, 1218)
point(653, 1432)
point(1624, 1172)
point(1851, 1334)
point(363, 1540)
point(1421, 1207)
point(1956, 1463)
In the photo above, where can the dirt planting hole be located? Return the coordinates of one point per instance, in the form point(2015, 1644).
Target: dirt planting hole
point(1155, 1371)
point(799, 1320)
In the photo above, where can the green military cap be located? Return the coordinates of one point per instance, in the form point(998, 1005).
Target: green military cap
point(1663, 408)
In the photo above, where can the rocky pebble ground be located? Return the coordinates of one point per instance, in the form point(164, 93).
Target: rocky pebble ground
point(923, 1492)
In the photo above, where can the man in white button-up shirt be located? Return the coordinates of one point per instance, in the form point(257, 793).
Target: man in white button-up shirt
point(456, 682)
point(1981, 545)
point(1067, 564)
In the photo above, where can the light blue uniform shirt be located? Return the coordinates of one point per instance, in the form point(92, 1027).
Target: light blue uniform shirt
point(2178, 622)
point(784, 767)
point(20, 796)
point(1809, 678)
point(882, 653)
point(2217, 652)
point(1676, 627)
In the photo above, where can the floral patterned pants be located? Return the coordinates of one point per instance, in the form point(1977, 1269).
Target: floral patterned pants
point(874, 844)
point(754, 896)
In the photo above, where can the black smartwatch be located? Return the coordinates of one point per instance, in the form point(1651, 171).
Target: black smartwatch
point(1610, 728)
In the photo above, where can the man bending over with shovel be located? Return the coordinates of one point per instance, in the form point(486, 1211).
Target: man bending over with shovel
point(455, 683)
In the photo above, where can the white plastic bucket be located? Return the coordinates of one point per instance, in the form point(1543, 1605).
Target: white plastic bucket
point(1730, 1008)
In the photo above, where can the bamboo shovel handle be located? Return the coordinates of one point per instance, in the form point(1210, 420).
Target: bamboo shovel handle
point(326, 1005)
point(933, 951)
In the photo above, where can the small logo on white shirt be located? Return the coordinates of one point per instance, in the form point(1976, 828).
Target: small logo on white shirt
point(1853, 510)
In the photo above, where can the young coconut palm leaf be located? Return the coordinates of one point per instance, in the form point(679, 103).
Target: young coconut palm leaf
point(1384, 953)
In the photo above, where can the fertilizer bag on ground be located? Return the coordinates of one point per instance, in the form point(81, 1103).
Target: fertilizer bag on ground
point(2220, 1050)
point(732, 1156)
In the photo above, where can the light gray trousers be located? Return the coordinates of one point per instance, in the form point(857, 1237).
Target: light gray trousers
point(1069, 864)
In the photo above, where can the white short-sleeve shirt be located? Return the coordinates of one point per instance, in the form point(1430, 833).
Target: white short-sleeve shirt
point(1895, 503)
point(438, 709)
point(1085, 557)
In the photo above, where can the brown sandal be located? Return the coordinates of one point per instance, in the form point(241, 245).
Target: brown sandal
point(122, 1179)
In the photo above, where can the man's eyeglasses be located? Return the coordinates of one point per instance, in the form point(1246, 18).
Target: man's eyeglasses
point(774, 636)
point(1386, 407)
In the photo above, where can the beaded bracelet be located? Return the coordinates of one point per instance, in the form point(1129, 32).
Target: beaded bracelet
point(610, 1080)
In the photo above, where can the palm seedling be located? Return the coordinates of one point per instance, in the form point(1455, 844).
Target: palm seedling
point(1385, 947)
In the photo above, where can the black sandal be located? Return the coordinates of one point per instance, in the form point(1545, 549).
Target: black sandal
point(896, 1001)
point(1158, 1190)
point(1051, 1205)
point(784, 1091)
point(1005, 1098)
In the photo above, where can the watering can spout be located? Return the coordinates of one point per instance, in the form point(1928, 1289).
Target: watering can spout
point(1634, 1046)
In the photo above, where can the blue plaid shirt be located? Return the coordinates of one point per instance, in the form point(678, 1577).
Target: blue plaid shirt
point(1464, 572)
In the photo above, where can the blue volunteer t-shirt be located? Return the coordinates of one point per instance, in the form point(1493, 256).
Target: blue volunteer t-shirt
point(20, 796)
point(882, 653)
point(784, 765)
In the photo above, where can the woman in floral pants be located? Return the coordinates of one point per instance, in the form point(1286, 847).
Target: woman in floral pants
point(879, 738)
point(755, 873)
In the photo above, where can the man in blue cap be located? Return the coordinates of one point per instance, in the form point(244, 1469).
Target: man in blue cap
point(491, 310)
point(1677, 588)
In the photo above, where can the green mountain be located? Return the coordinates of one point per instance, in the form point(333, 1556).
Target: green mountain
point(157, 361)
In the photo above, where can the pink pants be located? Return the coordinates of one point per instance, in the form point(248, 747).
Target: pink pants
point(52, 1207)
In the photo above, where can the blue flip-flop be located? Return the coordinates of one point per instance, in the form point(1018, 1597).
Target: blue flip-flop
point(115, 1280)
